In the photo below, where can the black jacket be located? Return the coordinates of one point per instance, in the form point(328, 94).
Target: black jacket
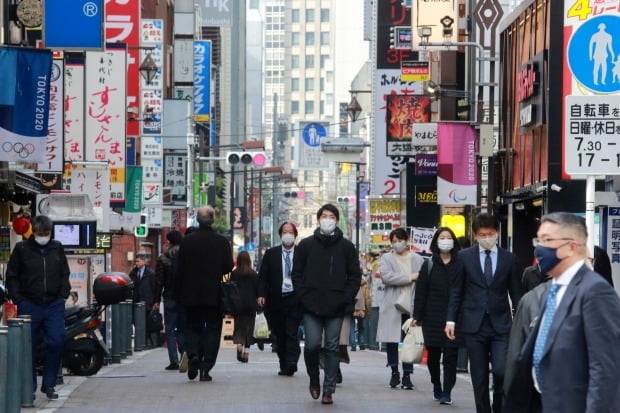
point(248, 289)
point(204, 258)
point(165, 271)
point(144, 288)
point(326, 274)
point(38, 274)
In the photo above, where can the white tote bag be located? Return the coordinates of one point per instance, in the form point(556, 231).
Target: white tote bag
point(403, 301)
point(413, 343)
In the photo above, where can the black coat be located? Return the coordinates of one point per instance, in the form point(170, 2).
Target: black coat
point(145, 287)
point(326, 274)
point(432, 294)
point(204, 258)
point(38, 274)
point(248, 289)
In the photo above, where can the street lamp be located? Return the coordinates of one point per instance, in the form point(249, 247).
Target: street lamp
point(148, 68)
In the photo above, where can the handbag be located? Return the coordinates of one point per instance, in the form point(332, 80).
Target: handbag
point(230, 296)
point(413, 343)
point(261, 328)
point(403, 301)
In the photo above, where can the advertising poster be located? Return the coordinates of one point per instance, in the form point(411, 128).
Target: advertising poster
point(383, 215)
point(79, 280)
point(421, 240)
point(401, 112)
point(457, 167)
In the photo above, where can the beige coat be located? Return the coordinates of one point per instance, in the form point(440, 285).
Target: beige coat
point(394, 280)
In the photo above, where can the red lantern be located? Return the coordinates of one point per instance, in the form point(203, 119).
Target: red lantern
point(21, 225)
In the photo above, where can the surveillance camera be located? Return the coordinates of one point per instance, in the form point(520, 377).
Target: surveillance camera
point(556, 188)
point(541, 189)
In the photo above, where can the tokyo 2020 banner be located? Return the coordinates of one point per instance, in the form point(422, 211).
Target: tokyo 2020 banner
point(457, 169)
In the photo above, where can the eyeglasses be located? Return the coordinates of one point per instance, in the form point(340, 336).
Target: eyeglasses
point(536, 242)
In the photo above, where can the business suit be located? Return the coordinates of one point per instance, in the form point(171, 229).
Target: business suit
point(283, 310)
point(485, 318)
point(581, 357)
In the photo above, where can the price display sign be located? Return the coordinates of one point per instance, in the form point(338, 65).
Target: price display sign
point(592, 133)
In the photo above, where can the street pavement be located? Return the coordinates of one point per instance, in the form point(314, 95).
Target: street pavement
point(140, 384)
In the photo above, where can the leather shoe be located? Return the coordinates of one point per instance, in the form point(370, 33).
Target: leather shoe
point(50, 393)
point(204, 376)
point(315, 389)
point(327, 399)
point(192, 368)
point(172, 366)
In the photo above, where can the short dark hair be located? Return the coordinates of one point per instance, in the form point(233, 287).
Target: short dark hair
point(484, 220)
point(328, 207)
point(567, 220)
point(399, 233)
point(287, 223)
point(42, 223)
point(174, 237)
point(435, 248)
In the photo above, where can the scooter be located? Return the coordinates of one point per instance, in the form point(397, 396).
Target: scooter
point(85, 349)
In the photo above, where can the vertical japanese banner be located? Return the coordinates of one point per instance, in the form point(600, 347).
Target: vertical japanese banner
point(54, 142)
point(122, 25)
point(74, 109)
point(202, 80)
point(94, 182)
point(105, 100)
point(134, 189)
point(24, 103)
point(613, 242)
point(175, 176)
point(457, 168)
point(152, 35)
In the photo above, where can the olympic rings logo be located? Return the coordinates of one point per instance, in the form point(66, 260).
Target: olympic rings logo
point(23, 151)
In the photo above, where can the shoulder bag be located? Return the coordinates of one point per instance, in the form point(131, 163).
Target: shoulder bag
point(230, 296)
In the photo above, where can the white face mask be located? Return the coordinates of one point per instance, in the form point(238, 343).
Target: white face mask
point(327, 225)
point(42, 240)
point(399, 246)
point(487, 243)
point(445, 244)
point(288, 239)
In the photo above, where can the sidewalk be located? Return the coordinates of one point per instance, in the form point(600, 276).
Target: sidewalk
point(140, 384)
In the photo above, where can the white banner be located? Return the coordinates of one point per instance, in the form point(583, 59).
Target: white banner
point(439, 17)
point(421, 239)
point(74, 112)
point(54, 141)
point(94, 182)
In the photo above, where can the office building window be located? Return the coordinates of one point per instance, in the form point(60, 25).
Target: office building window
point(295, 84)
point(310, 61)
point(295, 15)
point(309, 107)
point(309, 84)
point(295, 61)
point(322, 84)
point(309, 15)
point(309, 38)
point(324, 15)
point(295, 107)
point(324, 58)
point(324, 38)
point(322, 107)
point(295, 38)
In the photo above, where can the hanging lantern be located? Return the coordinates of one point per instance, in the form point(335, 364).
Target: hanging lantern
point(21, 225)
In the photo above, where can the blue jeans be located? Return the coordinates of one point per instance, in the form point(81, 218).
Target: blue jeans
point(173, 316)
point(357, 333)
point(48, 324)
point(317, 329)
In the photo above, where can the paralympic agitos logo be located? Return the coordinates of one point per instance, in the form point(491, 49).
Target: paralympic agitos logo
point(456, 197)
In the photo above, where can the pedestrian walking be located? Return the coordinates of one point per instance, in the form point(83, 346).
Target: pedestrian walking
point(358, 334)
point(174, 314)
point(204, 258)
point(571, 359)
point(144, 290)
point(277, 295)
point(479, 302)
point(326, 275)
point(399, 270)
point(247, 281)
point(37, 277)
point(432, 295)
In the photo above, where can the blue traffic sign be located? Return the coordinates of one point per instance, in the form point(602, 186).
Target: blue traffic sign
point(313, 133)
point(594, 54)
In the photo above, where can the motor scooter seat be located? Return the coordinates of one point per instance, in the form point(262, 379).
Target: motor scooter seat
point(72, 314)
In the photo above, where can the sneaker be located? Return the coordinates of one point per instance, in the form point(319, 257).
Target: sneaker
point(172, 366)
point(183, 363)
point(445, 399)
point(437, 393)
point(395, 380)
point(192, 368)
point(50, 393)
point(406, 383)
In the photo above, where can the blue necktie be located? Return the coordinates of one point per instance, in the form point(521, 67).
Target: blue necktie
point(287, 263)
point(544, 329)
point(488, 267)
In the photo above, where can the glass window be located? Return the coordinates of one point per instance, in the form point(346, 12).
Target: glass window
point(309, 15)
point(309, 108)
point(322, 108)
point(295, 15)
point(254, 4)
point(322, 83)
point(309, 38)
point(309, 84)
point(295, 38)
point(310, 61)
point(295, 107)
point(324, 58)
point(324, 15)
point(295, 84)
point(324, 38)
point(295, 61)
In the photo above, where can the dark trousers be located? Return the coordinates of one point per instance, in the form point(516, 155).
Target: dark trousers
point(483, 347)
point(392, 358)
point(372, 321)
point(450, 355)
point(284, 323)
point(202, 335)
point(48, 324)
point(320, 329)
point(174, 319)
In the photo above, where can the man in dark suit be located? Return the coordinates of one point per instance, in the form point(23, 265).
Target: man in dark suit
point(570, 361)
point(144, 291)
point(277, 296)
point(204, 258)
point(479, 301)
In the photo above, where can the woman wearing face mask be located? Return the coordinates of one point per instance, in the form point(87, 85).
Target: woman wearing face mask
point(399, 270)
point(431, 306)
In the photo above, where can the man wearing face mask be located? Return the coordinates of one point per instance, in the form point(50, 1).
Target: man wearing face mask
point(37, 279)
point(570, 361)
point(279, 299)
point(479, 302)
point(326, 276)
